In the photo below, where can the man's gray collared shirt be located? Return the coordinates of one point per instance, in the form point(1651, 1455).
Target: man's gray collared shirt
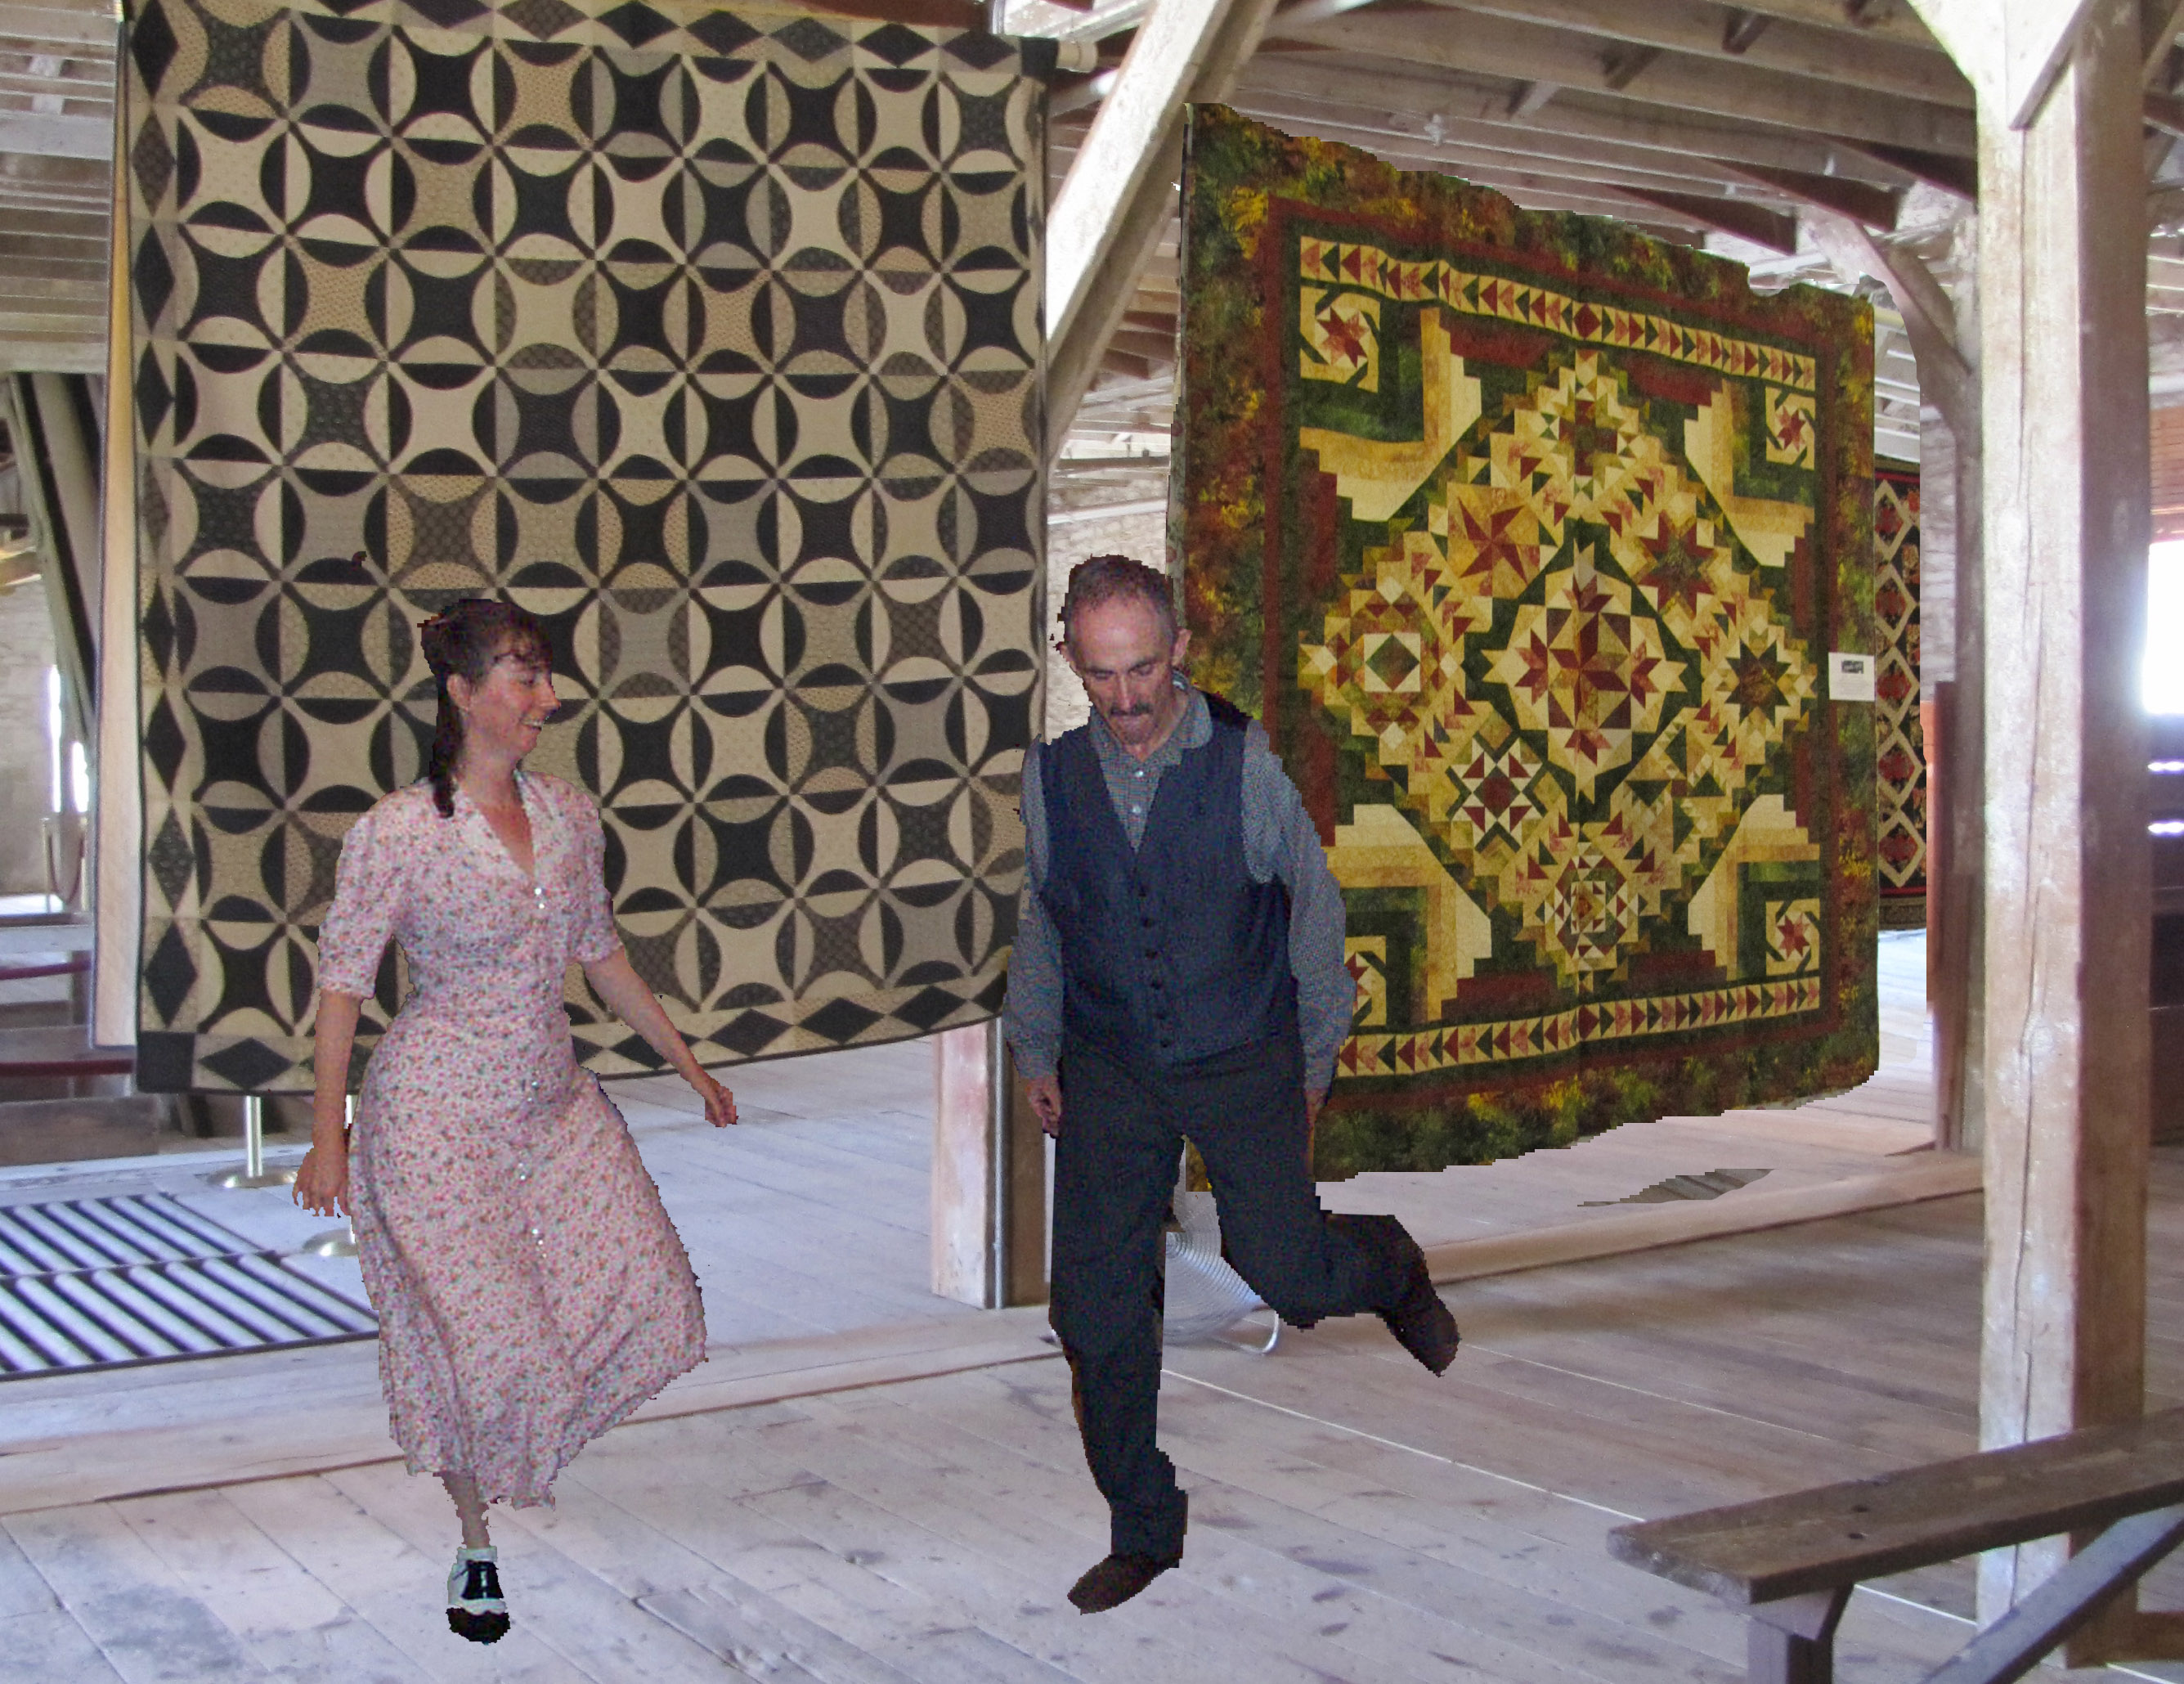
point(1280, 842)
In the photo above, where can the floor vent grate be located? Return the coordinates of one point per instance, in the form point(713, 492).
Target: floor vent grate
point(112, 1283)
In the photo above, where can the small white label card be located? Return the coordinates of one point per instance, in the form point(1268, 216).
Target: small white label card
point(1850, 676)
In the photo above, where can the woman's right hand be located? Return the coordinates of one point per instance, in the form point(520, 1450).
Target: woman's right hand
point(322, 1183)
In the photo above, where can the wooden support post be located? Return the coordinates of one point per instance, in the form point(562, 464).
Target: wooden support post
point(2063, 370)
point(988, 1175)
point(1944, 343)
point(1120, 195)
point(1793, 1640)
point(117, 848)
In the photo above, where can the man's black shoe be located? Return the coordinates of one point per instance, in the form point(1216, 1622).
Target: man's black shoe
point(1419, 1321)
point(1115, 1580)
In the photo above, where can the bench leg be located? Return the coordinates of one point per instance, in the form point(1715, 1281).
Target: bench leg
point(1793, 1640)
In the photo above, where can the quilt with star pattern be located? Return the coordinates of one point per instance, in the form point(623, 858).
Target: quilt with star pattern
point(1530, 539)
point(1901, 767)
point(712, 337)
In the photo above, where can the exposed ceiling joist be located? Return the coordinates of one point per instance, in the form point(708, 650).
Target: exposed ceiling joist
point(1505, 155)
point(56, 134)
point(1434, 35)
point(85, 31)
point(1752, 222)
point(1622, 64)
point(1875, 207)
point(1742, 28)
point(30, 84)
point(1947, 171)
point(68, 291)
point(58, 227)
point(1522, 145)
point(1892, 20)
point(36, 265)
point(1707, 31)
point(1573, 116)
point(2158, 22)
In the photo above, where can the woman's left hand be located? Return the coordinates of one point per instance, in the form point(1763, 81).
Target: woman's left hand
point(720, 1103)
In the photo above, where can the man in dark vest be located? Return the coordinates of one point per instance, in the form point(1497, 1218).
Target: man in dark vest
point(1178, 970)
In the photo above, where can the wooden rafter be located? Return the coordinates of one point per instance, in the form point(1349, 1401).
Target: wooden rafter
point(1279, 100)
point(1946, 170)
point(1707, 31)
point(1433, 35)
point(1892, 22)
point(1739, 218)
point(1873, 207)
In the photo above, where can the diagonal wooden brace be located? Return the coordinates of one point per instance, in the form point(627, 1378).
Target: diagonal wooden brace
point(2012, 1646)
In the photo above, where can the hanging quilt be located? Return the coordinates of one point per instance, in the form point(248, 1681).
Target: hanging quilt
point(1902, 765)
point(712, 338)
point(1530, 540)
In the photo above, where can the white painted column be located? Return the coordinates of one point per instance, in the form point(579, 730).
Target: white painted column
point(989, 1174)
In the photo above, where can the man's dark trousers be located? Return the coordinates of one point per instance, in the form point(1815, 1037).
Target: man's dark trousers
point(1115, 1161)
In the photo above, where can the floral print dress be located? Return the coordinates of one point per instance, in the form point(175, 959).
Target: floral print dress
point(530, 1288)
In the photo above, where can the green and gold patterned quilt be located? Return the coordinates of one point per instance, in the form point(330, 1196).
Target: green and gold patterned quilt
point(1531, 539)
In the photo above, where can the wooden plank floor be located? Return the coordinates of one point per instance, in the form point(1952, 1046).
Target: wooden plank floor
point(1354, 1519)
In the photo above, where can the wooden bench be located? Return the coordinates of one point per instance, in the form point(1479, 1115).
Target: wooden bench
point(1791, 1563)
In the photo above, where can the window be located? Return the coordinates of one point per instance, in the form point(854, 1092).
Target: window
point(2162, 677)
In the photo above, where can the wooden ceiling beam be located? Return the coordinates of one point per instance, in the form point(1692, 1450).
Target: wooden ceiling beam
point(89, 173)
point(78, 90)
point(1707, 30)
point(35, 198)
point(63, 228)
point(1573, 117)
point(1143, 343)
point(1742, 29)
point(1885, 20)
point(1437, 34)
point(1952, 174)
point(2158, 22)
point(87, 30)
point(1873, 207)
point(1522, 144)
point(1461, 153)
point(1534, 190)
point(53, 297)
point(55, 135)
point(1735, 217)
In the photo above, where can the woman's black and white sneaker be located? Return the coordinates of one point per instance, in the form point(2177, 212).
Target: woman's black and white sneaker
point(476, 1609)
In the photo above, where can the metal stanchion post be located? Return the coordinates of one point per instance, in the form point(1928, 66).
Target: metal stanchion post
point(335, 1242)
point(254, 1173)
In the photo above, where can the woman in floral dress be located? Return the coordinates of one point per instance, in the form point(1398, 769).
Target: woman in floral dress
point(530, 1290)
